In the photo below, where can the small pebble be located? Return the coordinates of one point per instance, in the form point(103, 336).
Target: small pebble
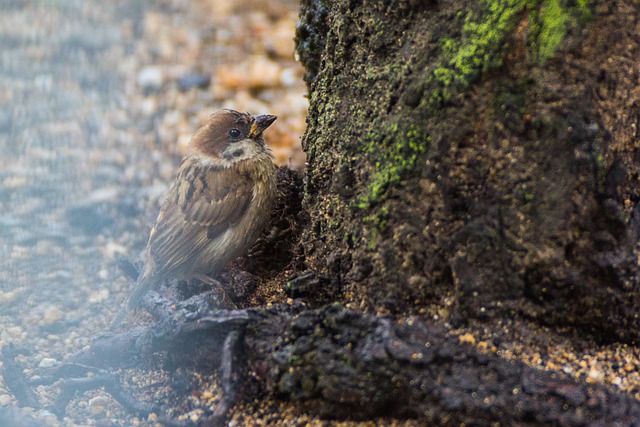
point(112, 248)
point(48, 418)
point(289, 77)
point(9, 296)
point(5, 400)
point(149, 106)
point(150, 78)
point(97, 404)
point(47, 363)
point(594, 374)
point(15, 182)
point(99, 296)
point(467, 339)
point(53, 338)
point(51, 315)
point(108, 194)
point(14, 332)
point(193, 80)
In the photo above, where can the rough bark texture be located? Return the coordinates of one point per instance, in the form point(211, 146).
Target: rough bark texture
point(476, 158)
point(342, 364)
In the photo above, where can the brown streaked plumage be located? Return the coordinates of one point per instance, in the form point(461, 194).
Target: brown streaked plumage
point(217, 206)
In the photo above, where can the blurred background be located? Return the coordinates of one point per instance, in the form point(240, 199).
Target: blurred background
point(97, 102)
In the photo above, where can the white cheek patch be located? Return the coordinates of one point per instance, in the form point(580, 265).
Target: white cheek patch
point(215, 163)
point(245, 149)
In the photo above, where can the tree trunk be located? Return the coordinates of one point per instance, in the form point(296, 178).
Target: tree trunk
point(476, 159)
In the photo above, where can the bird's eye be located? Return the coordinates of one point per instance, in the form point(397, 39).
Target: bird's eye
point(234, 133)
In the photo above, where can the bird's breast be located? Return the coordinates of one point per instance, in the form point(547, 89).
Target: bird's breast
point(243, 232)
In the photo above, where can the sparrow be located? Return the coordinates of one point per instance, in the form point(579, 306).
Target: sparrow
point(217, 206)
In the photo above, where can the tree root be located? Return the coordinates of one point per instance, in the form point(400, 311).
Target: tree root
point(336, 363)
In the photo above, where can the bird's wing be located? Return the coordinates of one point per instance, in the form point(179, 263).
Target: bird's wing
point(202, 204)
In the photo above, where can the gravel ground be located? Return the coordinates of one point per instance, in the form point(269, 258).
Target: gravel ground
point(98, 100)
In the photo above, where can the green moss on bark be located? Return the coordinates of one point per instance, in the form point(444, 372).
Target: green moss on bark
point(478, 48)
point(554, 19)
point(480, 45)
point(394, 153)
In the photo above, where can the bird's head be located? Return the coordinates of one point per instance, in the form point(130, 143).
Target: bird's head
point(230, 136)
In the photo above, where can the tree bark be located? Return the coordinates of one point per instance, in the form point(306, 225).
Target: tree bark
point(476, 159)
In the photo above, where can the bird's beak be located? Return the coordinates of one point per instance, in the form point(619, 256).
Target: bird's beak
point(260, 123)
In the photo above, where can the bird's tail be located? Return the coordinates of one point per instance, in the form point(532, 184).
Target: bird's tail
point(142, 286)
